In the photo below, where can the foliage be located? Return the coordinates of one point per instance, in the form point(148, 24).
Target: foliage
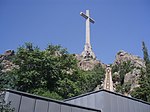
point(6, 79)
point(123, 68)
point(125, 88)
point(5, 106)
point(90, 79)
point(46, 93)
point(42, 69)
point(52, 72)
point(143, 92)
point(145, 53)
point(67, 88)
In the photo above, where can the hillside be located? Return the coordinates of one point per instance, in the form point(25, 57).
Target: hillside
point(55, 73)
point(126, 71)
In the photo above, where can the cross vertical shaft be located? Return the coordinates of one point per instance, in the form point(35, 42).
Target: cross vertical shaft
point(88, 28)
point(87, 53)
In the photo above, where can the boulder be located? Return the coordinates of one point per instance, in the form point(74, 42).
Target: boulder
point(133, 78)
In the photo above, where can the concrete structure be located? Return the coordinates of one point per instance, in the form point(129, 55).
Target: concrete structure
point(108, 83)
point(24, 102)
point(87, 53)
point(108, 101)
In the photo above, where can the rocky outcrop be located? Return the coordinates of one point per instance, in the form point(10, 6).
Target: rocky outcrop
point(6, 55)
point(5, 61)
point(132, 76)
point(123, 56)
point(88, 63)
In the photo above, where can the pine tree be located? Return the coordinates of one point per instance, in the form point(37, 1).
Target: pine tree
point(143, 92)
point(145, 53)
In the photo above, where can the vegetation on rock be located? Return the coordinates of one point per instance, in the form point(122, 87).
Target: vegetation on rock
point(122, 69)
point(131, 75)
point(55, 73)
point(143, 92)
point(52, 72)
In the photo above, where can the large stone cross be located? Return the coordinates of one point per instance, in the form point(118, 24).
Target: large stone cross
point(88, 53)
point(88, 20)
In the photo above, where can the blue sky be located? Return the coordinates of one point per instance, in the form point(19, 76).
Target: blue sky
point(119, 25)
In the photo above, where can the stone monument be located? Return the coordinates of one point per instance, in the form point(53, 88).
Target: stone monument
point(87, 52)
point(87, 59)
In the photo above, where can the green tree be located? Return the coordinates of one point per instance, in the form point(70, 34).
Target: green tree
point(5, 106)
point(47, 93)
point(46, 69)
point(29, 60)
point(88, 80)
point(122, 68)
point(6, 79)
point(52, 72)
point(145, 53)
point(143, 92)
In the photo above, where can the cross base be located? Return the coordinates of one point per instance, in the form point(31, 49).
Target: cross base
point(88, 53)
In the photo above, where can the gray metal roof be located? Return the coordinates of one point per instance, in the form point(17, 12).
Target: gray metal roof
point(109, 101)
point(25, 102)
point(115, 93)
point(97, 101)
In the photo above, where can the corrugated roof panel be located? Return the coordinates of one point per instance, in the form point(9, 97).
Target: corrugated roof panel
point(41, 106)
point(27, 104)
point(24, 102)
point(111, 102)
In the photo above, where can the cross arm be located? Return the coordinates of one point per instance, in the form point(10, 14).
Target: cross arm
point(83, 15)
point(86, 17)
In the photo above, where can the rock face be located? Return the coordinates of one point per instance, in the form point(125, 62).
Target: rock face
point(5, 60)
point(6, 55)
point(123, 56)
point(132, 76)
point(88, 63)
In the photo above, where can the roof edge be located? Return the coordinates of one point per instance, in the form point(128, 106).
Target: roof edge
point(115, 93)
point(48, 99)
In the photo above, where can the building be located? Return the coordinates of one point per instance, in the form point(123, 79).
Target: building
point(108, 101)
point(97, 101)
point(24, 102)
